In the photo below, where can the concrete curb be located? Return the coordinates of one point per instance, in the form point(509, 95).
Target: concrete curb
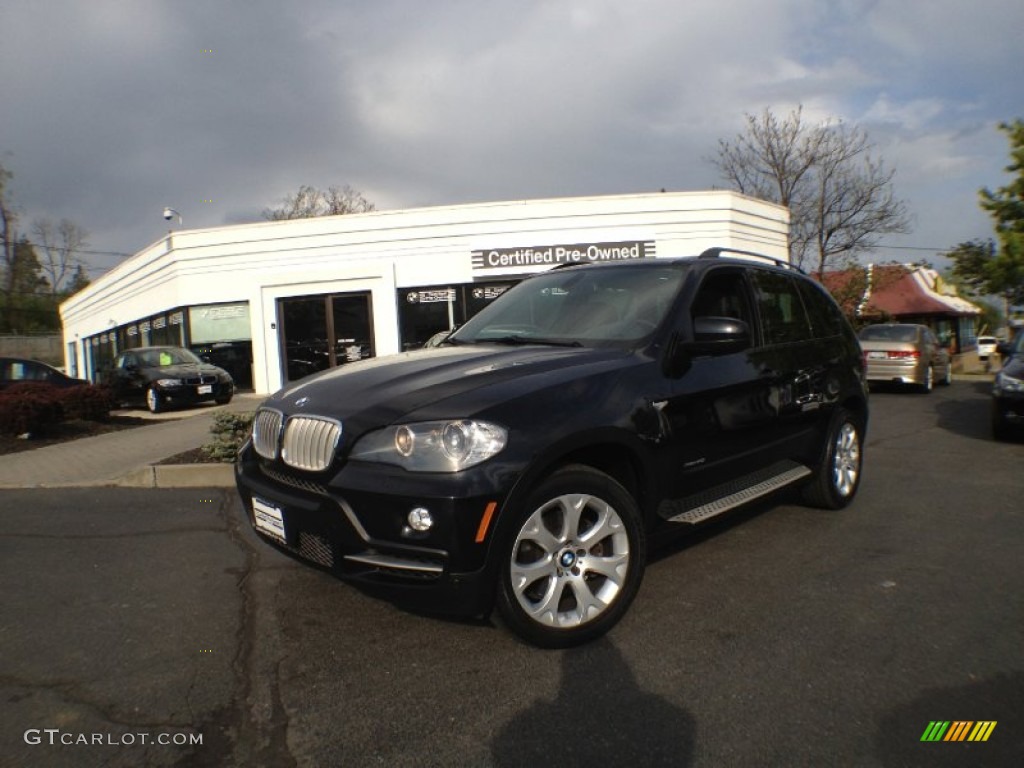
point(179, 476)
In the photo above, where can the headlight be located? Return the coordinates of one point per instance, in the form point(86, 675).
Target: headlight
point(1008, 383)
point(433, 446)
point(169, 382)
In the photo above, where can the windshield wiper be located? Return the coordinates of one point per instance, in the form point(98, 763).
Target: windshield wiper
point(516, 339)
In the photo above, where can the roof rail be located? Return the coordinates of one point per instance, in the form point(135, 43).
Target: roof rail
point(714, 253)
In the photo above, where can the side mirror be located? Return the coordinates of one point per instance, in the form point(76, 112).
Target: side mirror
point(711, 336)
point(719, 335)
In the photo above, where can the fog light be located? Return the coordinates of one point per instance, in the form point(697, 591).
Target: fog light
point(420, 519)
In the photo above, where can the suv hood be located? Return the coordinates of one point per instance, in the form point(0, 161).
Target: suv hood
point(374, 393)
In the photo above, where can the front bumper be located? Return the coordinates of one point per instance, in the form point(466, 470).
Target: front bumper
point(189, 394)
point(357, 528)
point(1008, 408)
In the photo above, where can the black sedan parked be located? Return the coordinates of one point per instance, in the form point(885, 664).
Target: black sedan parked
point(162, 377)
point(16, 370)
point(1008, 393)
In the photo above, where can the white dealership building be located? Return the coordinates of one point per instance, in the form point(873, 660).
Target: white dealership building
point(274, 301)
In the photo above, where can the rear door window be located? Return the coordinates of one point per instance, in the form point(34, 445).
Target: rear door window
point(781, 309)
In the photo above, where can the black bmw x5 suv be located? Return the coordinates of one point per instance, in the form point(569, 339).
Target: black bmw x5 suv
point(524, 463)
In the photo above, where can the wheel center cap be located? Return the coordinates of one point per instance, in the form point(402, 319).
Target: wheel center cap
point(567, 559)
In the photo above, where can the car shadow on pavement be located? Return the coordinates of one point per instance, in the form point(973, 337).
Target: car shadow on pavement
point(969, 416)
point(600, 716)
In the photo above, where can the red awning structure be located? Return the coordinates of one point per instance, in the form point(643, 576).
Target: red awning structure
point(896, 291)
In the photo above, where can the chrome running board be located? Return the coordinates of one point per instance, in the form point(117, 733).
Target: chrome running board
point(722, 499)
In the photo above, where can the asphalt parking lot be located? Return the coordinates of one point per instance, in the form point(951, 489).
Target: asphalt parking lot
point(780, 637)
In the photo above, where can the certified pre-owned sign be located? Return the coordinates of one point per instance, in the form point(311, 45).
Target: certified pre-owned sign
point(552, 255)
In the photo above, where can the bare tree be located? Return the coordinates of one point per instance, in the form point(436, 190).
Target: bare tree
point(60, 244)
point(839, 194)
point(309, 202)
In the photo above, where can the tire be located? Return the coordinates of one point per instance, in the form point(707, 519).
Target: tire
point(929, 380)
point(223, 400)
point(837, 477)
point(573, 560)
point(155, 401)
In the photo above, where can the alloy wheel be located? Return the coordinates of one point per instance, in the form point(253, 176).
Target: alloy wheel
point(570, 561)
point(846, 460)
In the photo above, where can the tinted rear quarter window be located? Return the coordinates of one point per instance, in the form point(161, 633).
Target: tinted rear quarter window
point(826, 317)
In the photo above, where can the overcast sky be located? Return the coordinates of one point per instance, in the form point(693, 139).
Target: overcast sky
point(112, 109)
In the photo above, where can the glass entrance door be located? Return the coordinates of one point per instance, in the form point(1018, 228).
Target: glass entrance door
point(321, 332)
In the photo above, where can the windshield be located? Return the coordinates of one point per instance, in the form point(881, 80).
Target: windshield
point(592, 306)
point(157, 358)
point(889, 333)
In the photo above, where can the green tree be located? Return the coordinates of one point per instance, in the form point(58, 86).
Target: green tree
point(78, 281)
point(1006, 207)
point(996, 267)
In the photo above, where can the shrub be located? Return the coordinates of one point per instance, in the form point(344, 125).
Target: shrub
point(88, 402)
point(229, 431)
point(31, 411)
point(34, 407)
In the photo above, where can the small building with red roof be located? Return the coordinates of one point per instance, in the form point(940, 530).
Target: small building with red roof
point(905, 294)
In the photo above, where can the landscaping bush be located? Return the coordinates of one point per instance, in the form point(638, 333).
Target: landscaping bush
point(31, 409)
point(229, 431)
point(88, 402)
point(34, 408)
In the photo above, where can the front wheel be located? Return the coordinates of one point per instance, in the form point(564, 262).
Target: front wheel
point(837, 478)
point(154, 401)
point(574, 560)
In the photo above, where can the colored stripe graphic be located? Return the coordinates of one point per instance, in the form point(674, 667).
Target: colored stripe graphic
point(958, 730)
point(982, 730)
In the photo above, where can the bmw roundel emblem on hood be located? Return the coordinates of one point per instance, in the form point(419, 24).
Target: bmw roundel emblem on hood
point(301, 402)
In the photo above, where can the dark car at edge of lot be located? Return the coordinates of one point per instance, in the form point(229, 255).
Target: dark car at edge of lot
point(1008, 391)
point(164, 377)
point(524, 463)
point(17, 370)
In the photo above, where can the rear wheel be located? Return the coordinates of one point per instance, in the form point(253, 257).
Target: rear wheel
point(573, 562)
point(837, 477)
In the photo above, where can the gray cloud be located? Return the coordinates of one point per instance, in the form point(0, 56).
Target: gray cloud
point(114, 109)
